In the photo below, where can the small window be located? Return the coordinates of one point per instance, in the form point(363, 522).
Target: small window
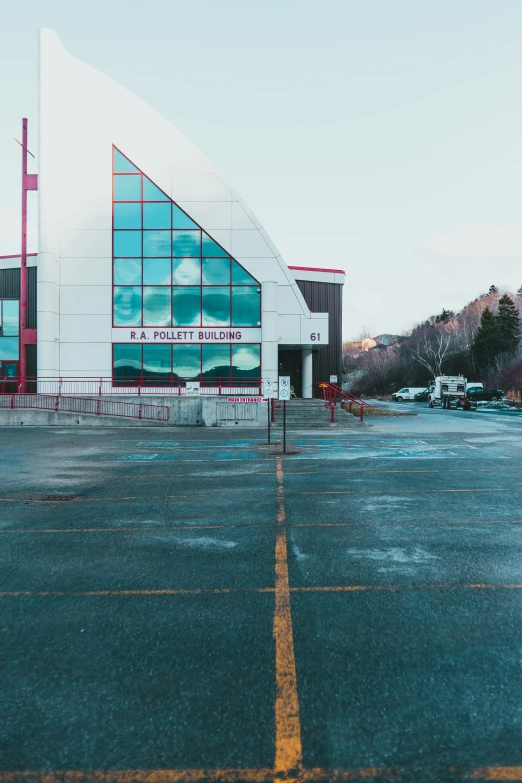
point(216, 271)
point(186, 306)
point(151, 192)
point(216, 306)
point(211, 248)
point(127, 271)
point(127, 305)
point(180, 219)
point(186, 361)
point(186, 243)
point(157, 215)
point(156, 306)
point(127, 187)
point(123, 164)
point(127, 243)
point(156, 243)
point(127, 215)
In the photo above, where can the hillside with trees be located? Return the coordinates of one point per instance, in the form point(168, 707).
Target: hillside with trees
point(482, 342)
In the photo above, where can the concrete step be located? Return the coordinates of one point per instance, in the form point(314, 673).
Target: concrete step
point(312, 414)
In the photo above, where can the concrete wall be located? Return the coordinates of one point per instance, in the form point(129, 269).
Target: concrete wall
point(197, 412)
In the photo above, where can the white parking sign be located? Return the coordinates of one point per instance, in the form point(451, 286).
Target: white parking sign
point(284, 387)
point(268, 387)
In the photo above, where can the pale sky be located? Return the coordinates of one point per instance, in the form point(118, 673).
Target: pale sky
point(382, 137)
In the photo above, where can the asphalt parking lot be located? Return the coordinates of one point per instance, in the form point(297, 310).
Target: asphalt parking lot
point(188, 605)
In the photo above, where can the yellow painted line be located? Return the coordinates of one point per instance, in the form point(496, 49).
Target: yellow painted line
point(288, 745)
point(260, 775)
point(363, 588)
point(144, 529)
point(101, 593)
point(406, 491)
point(141, 776)
point(497, 773)
point(427, 522)
point(103, 500)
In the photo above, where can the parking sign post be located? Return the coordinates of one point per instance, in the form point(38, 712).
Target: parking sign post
point(268, 392)
point(284, 394)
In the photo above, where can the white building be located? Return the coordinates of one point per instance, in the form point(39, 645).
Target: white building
point(151, 269)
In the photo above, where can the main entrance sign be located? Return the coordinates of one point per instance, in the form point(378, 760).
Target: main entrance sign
point(186, 335)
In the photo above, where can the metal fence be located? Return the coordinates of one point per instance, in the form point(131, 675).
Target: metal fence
point(127, 385)
point(91, 406)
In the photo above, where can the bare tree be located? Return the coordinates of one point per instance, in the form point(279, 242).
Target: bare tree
point(432, 346)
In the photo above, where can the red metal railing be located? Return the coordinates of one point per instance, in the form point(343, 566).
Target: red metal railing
point(332, 394)
point(88, 385)
point(92, 406)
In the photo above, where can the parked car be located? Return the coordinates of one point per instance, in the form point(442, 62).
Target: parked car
point(406, 393)
point(422, 396)
point(484, 395)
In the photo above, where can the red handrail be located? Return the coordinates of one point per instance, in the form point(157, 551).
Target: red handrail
point(331, 393)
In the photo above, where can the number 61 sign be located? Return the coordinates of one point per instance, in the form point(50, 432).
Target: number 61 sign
point(315, 337)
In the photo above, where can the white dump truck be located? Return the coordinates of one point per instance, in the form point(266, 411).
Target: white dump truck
point(450, 392)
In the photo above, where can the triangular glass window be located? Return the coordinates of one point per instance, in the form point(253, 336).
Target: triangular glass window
point(180, 219)
point(240, 276)
point(122, 165)
point(151, 192)
point(167, 270)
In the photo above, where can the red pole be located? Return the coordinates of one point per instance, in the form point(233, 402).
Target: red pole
point(29, 182)
point(23, 260)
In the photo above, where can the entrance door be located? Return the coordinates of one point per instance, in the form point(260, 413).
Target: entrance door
point(290, 363)
point(9, 377)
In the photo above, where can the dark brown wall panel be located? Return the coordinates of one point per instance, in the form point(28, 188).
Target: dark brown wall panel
point(9, 284)
point(10, 289)
point(326, 298)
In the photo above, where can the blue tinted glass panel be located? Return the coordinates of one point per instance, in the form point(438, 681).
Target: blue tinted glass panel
point(186, 243)
point(246, 305)
point(9, 348)
point(121, 163)
point(186, 271)
point(216, 361)
point(127, 243)
point(180, 220)
point(127, 187)
point(216, 271)
point(246, 361)
point(127, 306)
point(211, 248)
point(10, 318)
point(186, 361)
point(127, 215)
point(127, 271)
point(156, 271)
point(156, 364)
point(216, 306)
point(186, 306)
point(156, 243)
point(156, 306)
point(151, 192)
point(240, 276)
point(157, 215)
point(127, 364)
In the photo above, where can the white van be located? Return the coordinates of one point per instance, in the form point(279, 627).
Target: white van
point(407, 393)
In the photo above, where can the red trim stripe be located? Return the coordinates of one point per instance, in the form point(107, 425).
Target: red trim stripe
point(17, 255)
point(317, 269)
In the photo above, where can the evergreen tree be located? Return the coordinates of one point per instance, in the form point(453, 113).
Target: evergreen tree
point(508, 322)
point(445, 316)
point(519, 292)
point(486, 344)
point(493, 289)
